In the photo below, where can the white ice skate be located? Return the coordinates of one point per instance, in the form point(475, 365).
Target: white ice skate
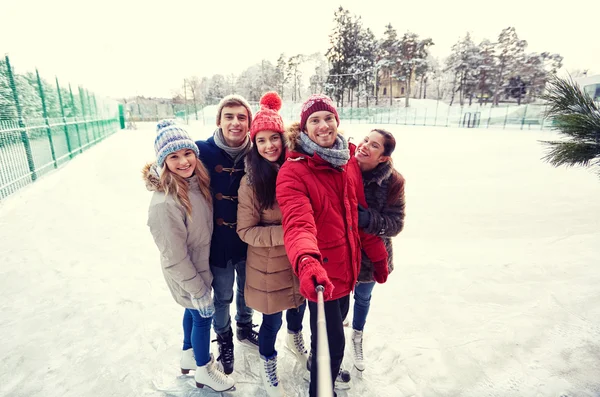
point(211, 375)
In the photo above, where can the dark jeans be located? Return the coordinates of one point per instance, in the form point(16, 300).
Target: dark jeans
point(222, 284)
point(362, 303)
point(335, 335)
point(196, 335)
point(271, 323)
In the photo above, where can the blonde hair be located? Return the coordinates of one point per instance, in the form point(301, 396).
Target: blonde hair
point(178, 187)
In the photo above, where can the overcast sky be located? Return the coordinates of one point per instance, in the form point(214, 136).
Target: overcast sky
point(121, 48)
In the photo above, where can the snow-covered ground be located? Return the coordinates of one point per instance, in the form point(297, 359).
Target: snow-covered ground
point(496, 290)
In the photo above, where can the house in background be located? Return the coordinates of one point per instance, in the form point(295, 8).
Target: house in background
point(390, 86)
point(590, 85)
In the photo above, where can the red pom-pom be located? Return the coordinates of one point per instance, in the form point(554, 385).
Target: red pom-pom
point(271, 100)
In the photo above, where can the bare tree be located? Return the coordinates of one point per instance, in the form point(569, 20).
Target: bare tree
point(194, 85)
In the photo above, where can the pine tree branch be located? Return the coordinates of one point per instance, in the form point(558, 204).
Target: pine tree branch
point(575, 116)
point(572, 154)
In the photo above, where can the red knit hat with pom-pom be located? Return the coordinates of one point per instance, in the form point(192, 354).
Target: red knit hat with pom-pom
point(267, 118)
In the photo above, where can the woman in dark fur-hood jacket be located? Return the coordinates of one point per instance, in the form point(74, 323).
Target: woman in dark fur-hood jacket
point(384, 217)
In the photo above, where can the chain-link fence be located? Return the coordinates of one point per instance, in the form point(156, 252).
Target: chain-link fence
point(421, 112)
point(438, 113)
point(44, 124)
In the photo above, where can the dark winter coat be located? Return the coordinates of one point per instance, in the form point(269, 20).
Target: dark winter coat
point(225, 177)
point(319, 204)
point(387, 220)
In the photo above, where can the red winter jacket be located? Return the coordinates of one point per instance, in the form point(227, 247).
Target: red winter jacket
point(319, 204)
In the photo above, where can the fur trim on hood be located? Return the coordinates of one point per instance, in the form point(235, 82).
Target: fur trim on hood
point(151, 177)
point(381, 173)
point(248, 170)
point(292, 136)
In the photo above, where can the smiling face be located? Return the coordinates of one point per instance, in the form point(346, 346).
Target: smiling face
point(321, 128)
point(235, 124)
point(369, 153)
point(269, 145)
point(182, 162)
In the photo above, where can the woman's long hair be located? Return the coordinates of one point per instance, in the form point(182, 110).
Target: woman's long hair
point(396, 185)
point(263, 175)
point(178, 187)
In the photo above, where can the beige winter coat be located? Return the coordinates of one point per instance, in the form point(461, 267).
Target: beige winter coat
point(183, 241)
point(271, 286)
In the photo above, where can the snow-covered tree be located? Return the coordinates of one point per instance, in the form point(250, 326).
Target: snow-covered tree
point(294, 75)
point(486, 70)
point(339, 53)
point(463, 62)
point(413, 54)
point(248, 83)
point(510, 52)
point(267, 77)
point(193, 85)
point(389, 56)
point(7, 104)
point(318, 80)
point(537, 69)
point(281, 77)
point(366, 61)
point(217, 88)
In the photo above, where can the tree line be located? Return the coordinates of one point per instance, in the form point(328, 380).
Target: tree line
point(357, 65)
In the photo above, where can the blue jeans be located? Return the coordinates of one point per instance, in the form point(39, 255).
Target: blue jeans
point(196, 335)
point(222, 284)
point(362, 302)
point(271, 323)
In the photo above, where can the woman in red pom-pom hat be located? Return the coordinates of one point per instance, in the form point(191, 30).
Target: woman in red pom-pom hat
point(271, 285)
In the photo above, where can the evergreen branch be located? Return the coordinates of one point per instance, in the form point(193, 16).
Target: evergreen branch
point(576, 116)
point(572, 153)
point(566, 97)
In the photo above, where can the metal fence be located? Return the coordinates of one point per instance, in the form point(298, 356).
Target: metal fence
point(420, 113)
point(440, 114)
point(44, 125)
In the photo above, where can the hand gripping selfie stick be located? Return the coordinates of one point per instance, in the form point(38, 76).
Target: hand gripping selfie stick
point(324, 384)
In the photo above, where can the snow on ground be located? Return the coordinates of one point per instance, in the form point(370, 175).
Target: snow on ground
point(495, 291)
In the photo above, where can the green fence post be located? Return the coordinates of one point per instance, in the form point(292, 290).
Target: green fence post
point(75, 118)
point(99, 118)
point(489, 116)
point(64, 119)
point(91, 115)
point(83, 114)
point(45, 114)
point(24, 136)
point(122, 116)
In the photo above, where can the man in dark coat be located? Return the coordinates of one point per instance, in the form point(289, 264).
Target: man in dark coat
point(223, 155)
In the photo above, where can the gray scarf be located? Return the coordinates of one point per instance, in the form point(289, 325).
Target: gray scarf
point(234, 152)
point(337, 156)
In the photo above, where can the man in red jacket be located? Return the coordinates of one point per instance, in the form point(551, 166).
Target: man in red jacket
point(319, 188)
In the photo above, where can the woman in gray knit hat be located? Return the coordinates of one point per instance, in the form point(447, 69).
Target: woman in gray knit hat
point(180, 220)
